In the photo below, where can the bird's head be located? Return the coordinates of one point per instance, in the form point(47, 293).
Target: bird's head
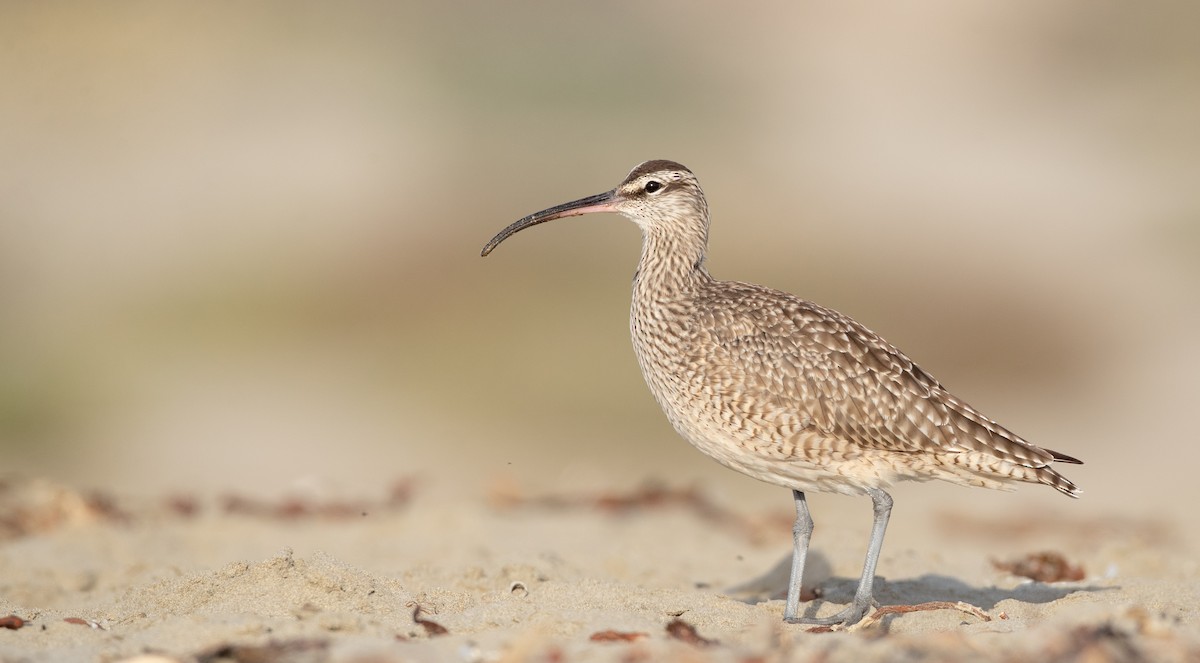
point(662, 197)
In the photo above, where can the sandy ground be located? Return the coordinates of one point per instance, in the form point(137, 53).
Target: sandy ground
point(409, 572)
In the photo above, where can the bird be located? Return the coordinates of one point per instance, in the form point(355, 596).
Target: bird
point(788, 391)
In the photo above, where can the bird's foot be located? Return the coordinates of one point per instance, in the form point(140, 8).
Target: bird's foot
point(853, 614)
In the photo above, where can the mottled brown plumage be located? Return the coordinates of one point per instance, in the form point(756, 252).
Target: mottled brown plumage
point(785, 390)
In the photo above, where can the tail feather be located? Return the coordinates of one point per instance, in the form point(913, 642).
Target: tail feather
point(1052, 478)
point(1064, 458)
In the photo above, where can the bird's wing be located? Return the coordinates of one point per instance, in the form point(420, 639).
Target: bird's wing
point(847, 381)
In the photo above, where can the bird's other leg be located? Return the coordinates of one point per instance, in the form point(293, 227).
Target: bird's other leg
point(801, 534)
point(863, 598)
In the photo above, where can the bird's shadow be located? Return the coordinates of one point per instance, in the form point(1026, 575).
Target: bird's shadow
point(922, 589)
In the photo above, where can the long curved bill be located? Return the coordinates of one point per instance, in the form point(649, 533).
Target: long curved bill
point(601, 202)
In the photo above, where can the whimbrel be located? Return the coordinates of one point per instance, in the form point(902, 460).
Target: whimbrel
point(785, 390)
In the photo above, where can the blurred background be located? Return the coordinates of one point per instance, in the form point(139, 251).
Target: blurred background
point(239, 243)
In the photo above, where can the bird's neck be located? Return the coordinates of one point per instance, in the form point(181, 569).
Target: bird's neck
point(672, 264)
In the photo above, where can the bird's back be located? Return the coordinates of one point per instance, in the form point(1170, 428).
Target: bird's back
point(800, 395)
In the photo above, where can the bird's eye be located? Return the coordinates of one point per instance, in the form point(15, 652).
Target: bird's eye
point(652, 186)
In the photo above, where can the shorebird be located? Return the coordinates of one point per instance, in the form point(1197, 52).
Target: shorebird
point(788, 391)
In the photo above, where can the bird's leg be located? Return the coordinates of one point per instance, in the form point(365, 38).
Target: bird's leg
point(863, 599)
point(801, 534)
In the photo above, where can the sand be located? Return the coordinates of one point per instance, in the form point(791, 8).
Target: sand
point(657, 572)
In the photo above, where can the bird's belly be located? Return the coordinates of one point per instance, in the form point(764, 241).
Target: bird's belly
point(781, 451)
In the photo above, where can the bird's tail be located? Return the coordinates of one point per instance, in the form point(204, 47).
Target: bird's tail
point(1052, 478)
point(1049, 476)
